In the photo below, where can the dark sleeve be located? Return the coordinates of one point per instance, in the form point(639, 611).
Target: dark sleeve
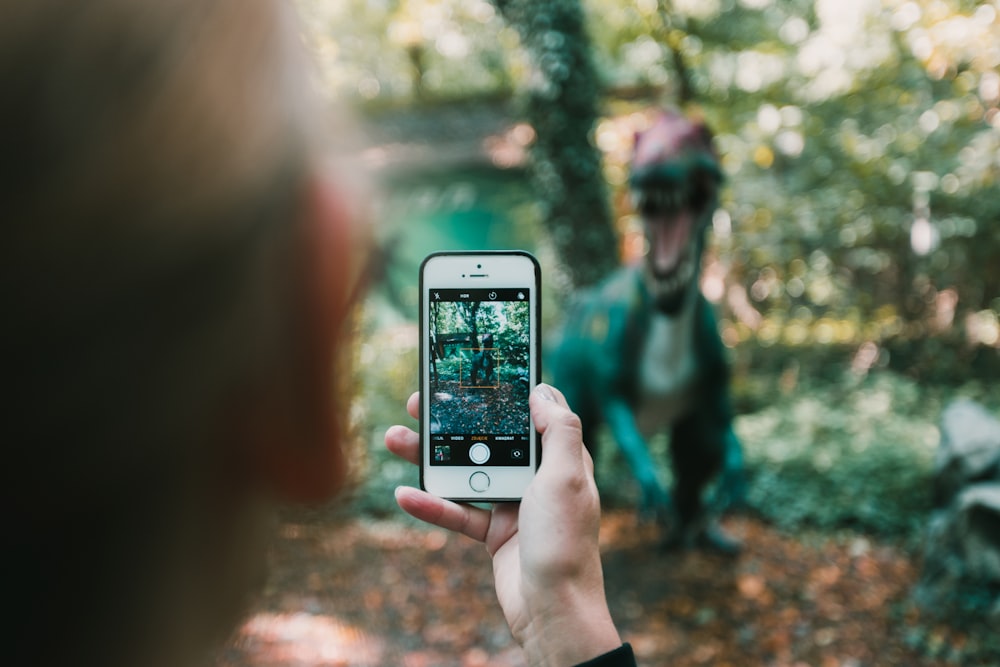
point(620, 657)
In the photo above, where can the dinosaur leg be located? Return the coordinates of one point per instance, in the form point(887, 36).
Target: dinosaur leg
point(697, 454)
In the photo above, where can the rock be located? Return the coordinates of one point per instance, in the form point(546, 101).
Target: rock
point(969, 450)
point(978, 515)
point(962, 553)
point(971, 530)
point(961, 568)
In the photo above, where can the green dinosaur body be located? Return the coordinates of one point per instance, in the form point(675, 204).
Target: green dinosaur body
point(641, 352)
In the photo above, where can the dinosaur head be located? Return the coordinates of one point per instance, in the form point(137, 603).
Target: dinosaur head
point(674, 181)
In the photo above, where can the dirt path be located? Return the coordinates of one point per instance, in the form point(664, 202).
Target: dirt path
point(366, 593)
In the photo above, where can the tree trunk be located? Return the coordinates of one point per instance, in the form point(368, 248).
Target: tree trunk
point(673, 28)
point(562, 108)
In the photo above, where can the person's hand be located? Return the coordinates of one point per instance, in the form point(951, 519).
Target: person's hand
point(546, 561)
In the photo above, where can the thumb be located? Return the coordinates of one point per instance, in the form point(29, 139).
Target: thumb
point(562, 433)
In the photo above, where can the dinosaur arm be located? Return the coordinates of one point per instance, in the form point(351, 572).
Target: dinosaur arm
point(621, 420)
point(732, 488)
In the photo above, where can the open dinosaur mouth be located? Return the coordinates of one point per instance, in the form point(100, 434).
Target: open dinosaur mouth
point(670, 222)
point(670, 234)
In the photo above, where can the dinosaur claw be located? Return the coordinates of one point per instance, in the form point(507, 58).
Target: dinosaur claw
point(714, 539)
point(710, 538)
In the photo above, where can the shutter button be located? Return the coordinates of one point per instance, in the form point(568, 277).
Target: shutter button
point(479, 453)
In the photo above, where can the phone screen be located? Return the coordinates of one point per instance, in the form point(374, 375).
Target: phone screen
point(479, 371)
point(479, 348)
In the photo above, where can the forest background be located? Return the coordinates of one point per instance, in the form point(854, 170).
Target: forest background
point(858, 232)
point(854, 259)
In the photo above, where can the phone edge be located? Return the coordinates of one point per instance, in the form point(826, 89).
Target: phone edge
point(537, 351)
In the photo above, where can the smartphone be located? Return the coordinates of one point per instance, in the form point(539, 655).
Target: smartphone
point(479, 361)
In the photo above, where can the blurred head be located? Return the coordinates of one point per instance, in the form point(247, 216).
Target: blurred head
point(175, 272)
point(674, 180)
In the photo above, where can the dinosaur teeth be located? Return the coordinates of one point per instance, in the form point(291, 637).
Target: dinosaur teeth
point(679, 278)
point(659, 200)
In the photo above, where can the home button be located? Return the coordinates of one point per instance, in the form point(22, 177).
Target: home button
point(479, 481)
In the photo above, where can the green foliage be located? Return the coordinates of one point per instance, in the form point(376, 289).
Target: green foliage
point(852, 455)
point(851, 451)
point(389, 51)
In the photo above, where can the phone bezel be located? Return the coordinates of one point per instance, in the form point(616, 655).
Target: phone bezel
point(449, 270)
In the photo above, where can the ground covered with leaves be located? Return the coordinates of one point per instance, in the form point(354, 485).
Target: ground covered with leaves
point(387, 592)
point(478, 410)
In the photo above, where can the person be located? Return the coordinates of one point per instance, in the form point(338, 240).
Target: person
point(177, 277)
point(546, 561)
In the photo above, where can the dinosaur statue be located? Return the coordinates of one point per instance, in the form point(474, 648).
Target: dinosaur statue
point(483, 361)
point(642, 352)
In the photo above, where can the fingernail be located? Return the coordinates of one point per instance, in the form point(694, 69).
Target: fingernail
point(545, 392)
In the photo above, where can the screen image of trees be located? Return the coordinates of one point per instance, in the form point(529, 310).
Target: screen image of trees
point(479, 365)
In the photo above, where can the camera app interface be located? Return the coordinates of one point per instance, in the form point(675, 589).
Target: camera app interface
point(479, 365)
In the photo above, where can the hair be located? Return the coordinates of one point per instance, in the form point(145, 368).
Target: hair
point(154, 159)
